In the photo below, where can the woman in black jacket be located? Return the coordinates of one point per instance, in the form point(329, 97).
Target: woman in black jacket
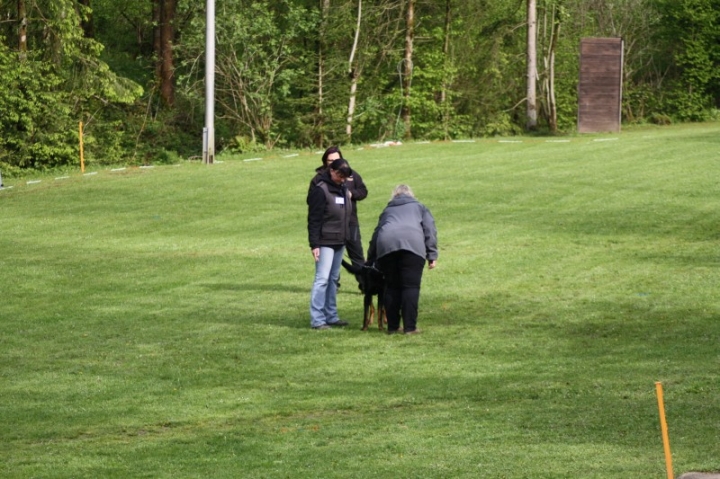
point(358, 191)
point(329, 212)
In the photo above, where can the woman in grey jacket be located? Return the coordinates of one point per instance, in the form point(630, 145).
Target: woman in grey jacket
point(404, 239)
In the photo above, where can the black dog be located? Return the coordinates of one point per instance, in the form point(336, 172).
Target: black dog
point(371, 282)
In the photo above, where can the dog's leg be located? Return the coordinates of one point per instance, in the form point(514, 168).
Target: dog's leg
point(381, 315)
point(369, 312)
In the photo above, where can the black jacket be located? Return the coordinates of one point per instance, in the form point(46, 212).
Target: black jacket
point(354, 184)
point(329, 212)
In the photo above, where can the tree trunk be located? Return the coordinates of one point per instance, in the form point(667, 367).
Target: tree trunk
point(325, 9)
point(445, 108)
point(550, 33)
point(552, 102)
point(354, 74)
point(408, 66)
point(156, 42)
point(167, 68)
point(22, 29)
point(531, 64)
point(87, 23)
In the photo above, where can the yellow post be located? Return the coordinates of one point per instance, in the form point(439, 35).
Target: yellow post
point(663, 426)
point(82, 158)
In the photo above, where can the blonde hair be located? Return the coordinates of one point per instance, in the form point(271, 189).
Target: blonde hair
point(402, 190)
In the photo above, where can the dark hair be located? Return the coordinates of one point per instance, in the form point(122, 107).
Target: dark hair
point(341, 166)
point(328, 152)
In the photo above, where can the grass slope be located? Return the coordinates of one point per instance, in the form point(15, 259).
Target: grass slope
point(154, 322)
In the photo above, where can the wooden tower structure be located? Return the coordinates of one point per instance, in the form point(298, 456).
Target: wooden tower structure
point(600, 87)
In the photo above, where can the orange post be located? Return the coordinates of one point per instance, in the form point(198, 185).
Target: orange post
point(82, 156)
point(663, 426)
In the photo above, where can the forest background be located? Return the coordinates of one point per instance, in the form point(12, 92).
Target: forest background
point(309, 73)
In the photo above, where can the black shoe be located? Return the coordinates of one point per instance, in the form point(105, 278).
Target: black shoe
point(322, 326)
point(394, 331)
point(338, 323)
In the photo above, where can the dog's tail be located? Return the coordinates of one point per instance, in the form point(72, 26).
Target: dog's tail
point(354, 269)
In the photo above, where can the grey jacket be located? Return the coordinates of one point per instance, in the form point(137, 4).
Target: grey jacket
point(405, 224)
point(329, 210)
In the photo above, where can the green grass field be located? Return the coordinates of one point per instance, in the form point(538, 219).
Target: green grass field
point(154, 322)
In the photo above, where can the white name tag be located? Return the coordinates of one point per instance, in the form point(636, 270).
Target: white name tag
point(339, 200)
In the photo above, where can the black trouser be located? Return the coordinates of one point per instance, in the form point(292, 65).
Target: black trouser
point(353, 246)
point(403, 273)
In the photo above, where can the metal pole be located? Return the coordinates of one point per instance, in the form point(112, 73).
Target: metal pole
point(209, 130)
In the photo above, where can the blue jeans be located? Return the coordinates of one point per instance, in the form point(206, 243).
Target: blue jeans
point(323, 298)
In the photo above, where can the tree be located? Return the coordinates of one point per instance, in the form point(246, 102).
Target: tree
point(408, 66)
point(689, 29)
point(85, 12)
point(261, 57)
point(354, 74)
point(61, 81)
point(164, 15)
point(531, 64)
point(22, 29)
point(309, 72)
point(322, 47)
point(552, 15)
point(444, 103)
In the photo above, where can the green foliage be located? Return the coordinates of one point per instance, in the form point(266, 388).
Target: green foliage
point(434, 74)
point(502, 125)
point(52, 89)
point(684, 103)
point(94, 78)
point(36, 130)
point(243, 144)
point(639, 102)
point(172, 132)
point(377, 117)
point(660, 119)
point(166, 157)
point(268, 58)
point(259, 59)
point(689, 29)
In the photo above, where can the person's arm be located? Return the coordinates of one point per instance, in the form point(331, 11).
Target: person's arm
point(316, 211)
point(372, 248)
point(359, 190)
point(313, 184)
point(430, 231)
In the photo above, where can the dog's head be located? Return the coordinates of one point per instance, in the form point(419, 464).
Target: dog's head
point(373, 280)
point(370, 279)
